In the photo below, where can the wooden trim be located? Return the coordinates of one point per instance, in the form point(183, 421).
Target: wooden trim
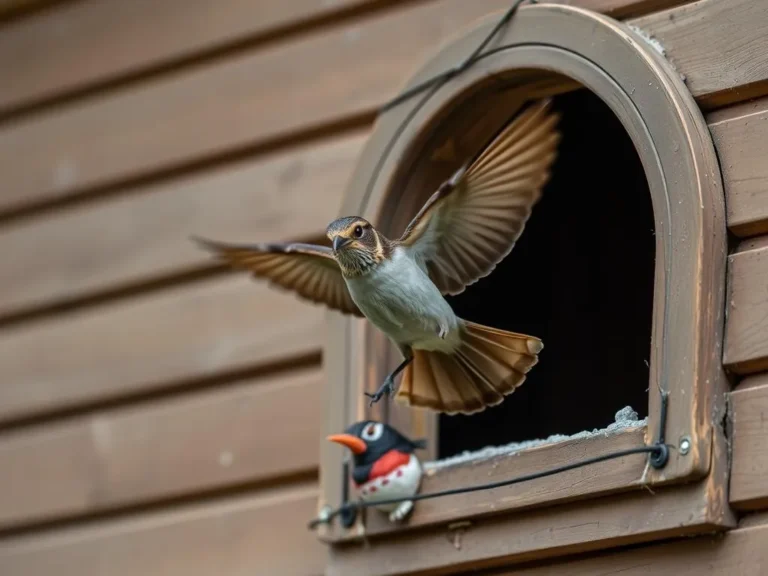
point(682, 171)
point(538, 534)
point(616, 475)
point(749, 470)
point(191, 444)
point(746, 347)
point(742, 551)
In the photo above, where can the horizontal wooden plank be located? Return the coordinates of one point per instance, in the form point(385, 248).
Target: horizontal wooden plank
point(749, 470)
point(745, 346)
point(142, 344)
point(742, 551)
point(95, 41)
point(722, 69)
point(603, 478)
point(740, 134)
point(145, 235)
point(260, 95)
point(261, 535)
point(197, 443)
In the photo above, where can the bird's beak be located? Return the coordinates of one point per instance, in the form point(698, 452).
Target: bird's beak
point(352, 442)
point(339, 242)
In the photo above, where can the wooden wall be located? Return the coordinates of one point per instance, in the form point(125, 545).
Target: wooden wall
point(161, 415)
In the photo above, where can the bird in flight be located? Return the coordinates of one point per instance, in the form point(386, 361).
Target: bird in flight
point(462, 232)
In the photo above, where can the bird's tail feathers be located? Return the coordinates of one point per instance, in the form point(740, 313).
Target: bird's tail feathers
point(489, 364)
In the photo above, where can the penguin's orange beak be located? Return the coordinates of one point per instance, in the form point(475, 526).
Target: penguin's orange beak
point(352, 442)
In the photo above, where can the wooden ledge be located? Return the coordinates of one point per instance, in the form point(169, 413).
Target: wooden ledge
point(603, 478)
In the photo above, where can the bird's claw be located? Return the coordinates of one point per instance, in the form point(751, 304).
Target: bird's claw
point(386, 388)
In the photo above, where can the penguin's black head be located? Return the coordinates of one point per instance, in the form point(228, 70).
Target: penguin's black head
point(370, 440)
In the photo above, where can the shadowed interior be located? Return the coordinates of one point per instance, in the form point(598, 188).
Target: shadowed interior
point(581, 278)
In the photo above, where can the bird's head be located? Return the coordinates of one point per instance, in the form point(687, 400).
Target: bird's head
point(370, 440)
point(357, 245)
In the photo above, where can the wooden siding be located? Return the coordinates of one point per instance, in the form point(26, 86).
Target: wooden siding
point(141, 384)
point(742, 551)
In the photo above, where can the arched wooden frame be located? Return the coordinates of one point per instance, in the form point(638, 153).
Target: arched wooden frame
point(544, 50)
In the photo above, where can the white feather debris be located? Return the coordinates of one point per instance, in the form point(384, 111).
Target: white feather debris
point(625, 418)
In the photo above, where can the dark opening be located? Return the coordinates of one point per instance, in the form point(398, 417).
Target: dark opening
point(581, 278)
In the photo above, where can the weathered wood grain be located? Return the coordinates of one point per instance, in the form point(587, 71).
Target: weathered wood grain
point(740, 134)
point(149, 452)
point(225, 105)
point(742, 551)
point(581, 483)
point(194, 332)
point(260, 535)
point(146, 235)
point(532, 535)
point(745, 346)
point(720, 48)
point(260, 95)
point(749, 470)
point(94, 41)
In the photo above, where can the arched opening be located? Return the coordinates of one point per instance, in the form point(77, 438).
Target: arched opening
point(633, 137)
point(581, 278)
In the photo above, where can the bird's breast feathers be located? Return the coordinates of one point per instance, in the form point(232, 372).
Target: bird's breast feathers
point(399, 298)
point(398, 481)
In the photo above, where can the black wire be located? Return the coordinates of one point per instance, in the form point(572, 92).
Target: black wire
point(655, 449)
point(455, 71)
point(431, 85)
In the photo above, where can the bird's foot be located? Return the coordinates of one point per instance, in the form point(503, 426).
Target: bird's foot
point(387, 388)
point(401, 512)
point(442, 332)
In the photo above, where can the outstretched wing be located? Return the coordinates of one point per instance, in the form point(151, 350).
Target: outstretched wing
point(307, 269)
point(473, 221)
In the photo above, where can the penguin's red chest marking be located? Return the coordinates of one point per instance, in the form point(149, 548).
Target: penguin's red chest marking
point(388, 463)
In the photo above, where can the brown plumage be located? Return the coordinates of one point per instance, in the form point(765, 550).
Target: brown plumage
point(488, 365)
point(459, 236)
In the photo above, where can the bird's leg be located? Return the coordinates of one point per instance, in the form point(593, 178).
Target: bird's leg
point(388, 387)
point(401, 512)
point(442, 331)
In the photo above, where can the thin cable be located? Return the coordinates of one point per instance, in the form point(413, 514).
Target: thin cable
point(431, 86)
point(359, 505)
point(456, 70)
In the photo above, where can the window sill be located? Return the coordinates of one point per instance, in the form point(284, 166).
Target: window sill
point(604, 478)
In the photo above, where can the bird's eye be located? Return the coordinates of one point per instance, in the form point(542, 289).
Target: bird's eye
point(372, 431)
point(358, 232)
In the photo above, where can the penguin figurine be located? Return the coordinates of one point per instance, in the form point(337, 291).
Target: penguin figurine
point(384, 465)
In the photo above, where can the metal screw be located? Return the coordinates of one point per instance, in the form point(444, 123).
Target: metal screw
point(685, 445)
